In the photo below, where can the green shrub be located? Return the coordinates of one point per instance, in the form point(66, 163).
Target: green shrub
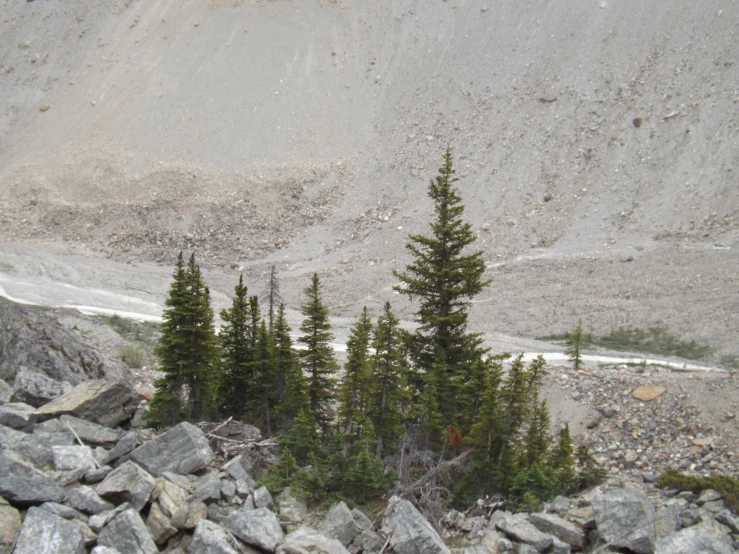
point(728, 486)
point(132, 356)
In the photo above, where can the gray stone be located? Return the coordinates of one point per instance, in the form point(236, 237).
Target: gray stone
point(127, 483)
point(172, 499)
point(183, 449)
point(88, 431)
point(105, 402)
point(312, 541)
point(18, 415)
point(126, 444)
point(621, 515)
point(362, 521)
point(708, 495)
point(127, 534)
point(243, 488)
point(560, 547)
point(520, 530)
point(10, 526)
point(236, 470)
point(195, 512)
point(208, 488)
point(667, 518)
point(219, 514)
point(96, 475)
point(258, 527)
point(409, 531)
point(211, 538)
point(5, 392)
point(10, 438)
point(558, 527)
point(699, 539)
point(523, 548)
point(104, 550)
point(367, 541)
point(729, 519)
point(185, 482)
point(36, 450)
point(714, 507)
point(263, 498)
point(339, 524)
point(62, 510)
point(292, 509)
point(24, 485)
point(86, 500)
point(97, 522)
point(159, 525)
point(46, 533)
point(67, 458)
point(228, 489)
point(35, 388)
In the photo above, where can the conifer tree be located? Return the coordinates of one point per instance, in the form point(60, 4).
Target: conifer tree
point(272, 295)
point(302, 438)
point(263, 383)
point(573, 346)
point(444, 277)
point(562, 455)
point(318, 356)
point(355, 385)
point(390, 391)
point(537, 436)
point(187, 350)
point(290, 386)
point(236, 363)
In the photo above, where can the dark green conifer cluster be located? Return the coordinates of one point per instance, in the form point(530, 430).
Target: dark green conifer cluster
point(435, 389)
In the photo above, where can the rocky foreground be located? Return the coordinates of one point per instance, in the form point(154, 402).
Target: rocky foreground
point(79, 472)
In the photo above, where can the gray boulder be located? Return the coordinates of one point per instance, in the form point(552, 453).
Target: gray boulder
point(127, 534)
point(208, 488)
point(183, 449)
point(173, 501)
point(70, 458)
point(96, 475)
point(159, 525)
point(263, 498)
point(211, 538)
point(97, 522)
point(126, 444)
point(127, 483)
point(46, 533)
point(35, 388)
point(105, 402)
point(87, 431)
point(10, 526)
point(339, 524)
point(84, 499)
point(36, 339)
point(104, 550)
point(236, 469)
point(62, 510)
point(258, 527)
point(409, 531)
point(558, 527)
point(292, 509)
point(10, 438)
point(308, 539)
point(5, 392)
point(18, 415)
point(520, 530)
point(622, 517)
point(23, 485)
point(699, 539)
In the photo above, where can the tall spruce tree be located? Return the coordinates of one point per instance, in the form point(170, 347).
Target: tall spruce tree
point(263, 383)
point(317, 357)
point(237, 354)
point(444, 276)
point(290, 384)
point(390, 392)
point(187, 350)
point(574, 345)
point(355, 385)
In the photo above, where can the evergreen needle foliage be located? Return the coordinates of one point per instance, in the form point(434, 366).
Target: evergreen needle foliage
point(574, 345)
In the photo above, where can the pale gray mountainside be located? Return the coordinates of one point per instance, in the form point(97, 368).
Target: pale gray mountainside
point(304, 133)
point(41, 359)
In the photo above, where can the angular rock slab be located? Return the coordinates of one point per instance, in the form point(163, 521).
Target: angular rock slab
point(339, 524)
point(46, 533)
point(10, 526)
point(5, 392)
point(18, 415)
point(105, 402)
point(517, 528)
point(35, 388)
point(127, 534)
point(558, 527)
point(409, 531)
point(183, 449)
point(258, 527)
point(311, 540)
point(211, 538)
point(620, 515)
point(86, 500)
point(699, 539)
point(23, 485)
point(127, 483)
point(87, 431)
point(70, 458)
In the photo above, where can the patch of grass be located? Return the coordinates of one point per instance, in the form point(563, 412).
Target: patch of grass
point(132, 356)
point(5, 267)
point(729, 362)
point(143, 333)
point(655, 340)
point(726, 485)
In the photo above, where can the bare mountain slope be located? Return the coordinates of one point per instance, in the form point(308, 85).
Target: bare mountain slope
point(304, 132)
